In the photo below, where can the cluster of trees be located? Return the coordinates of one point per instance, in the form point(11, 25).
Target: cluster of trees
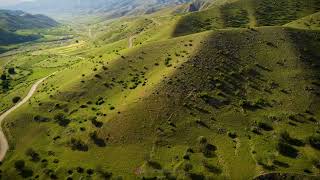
point(5, 84)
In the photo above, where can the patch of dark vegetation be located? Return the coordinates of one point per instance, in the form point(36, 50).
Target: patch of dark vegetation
point(266, 166)
point(258, 104)
point(39, 118)
point(167, 62)
point(286, 138)
point(232, 135)
point(206, 148)
point(234, 16)
point(214, 101)
point(154, 164)
point(201, 123)
point(315, 141)
point(62, 120)
point(287, 150)
point(280, 12)
point(284, 176)
point(23, 171)
point(211, 168)
point(264, 125)
point(96, 123)
point(281, 164)
point(34, 156)
point(98, 141)
point(16, 99)
point(78, 145)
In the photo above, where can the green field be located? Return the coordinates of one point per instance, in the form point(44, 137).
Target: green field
point(228, 92)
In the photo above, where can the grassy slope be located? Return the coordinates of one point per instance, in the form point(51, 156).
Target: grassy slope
point(310, 22)
point(7, 38)
point(156, 108)
point(243, 13)
point(150, 121)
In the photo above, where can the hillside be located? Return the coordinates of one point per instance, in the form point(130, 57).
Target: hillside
point(18, 27)
point(7, 38)
point(310, 22)
point(225, 89)
point(246, 13)
point(15, 20)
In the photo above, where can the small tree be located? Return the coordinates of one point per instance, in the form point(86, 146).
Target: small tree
point(16, 99)
point(3, 77)
point(315, 141)
point(19, 165)
point(35, 157)
point(11, 70)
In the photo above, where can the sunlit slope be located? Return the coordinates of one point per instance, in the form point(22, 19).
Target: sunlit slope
point(207, 105)
point(246, 13)
point(311, 22)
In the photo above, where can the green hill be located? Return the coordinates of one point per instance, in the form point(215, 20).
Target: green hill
point(11, 22)
point(243, 13)
point(225, 92)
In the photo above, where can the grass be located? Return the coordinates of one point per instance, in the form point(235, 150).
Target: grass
point(178, 103)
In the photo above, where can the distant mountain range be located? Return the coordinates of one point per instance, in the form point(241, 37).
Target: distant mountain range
point(11, 21)
point(110, 8)
point(15, 20)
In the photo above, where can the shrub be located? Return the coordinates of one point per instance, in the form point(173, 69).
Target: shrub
point(98, 141)
point(26, 173)
point(39, 118)
point(315, 141)
point(154, 164)
point(96, 123)
point(3, 77)
point(78, 145)
point(264, 125)
point(167, 61)
point(202, 140)
point(35, 157)
point(232, 135)
point(286, 138)
point(80, 170)
point(61, 119)
point(11, 70)
point(287, 150)
point(16, 99)
point(19, 165)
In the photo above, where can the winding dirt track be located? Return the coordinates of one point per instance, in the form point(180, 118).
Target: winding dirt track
point(4, 146)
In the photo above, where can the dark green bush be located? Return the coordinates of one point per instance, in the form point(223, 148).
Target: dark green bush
point(286, 138)
point(11, 70)
point(315, 141)
point(264, 125)
point(62, 120)
point(16, 99)
point(19, 165)
point(35, 157)
point(39, 118)
point(78, 145)
point(98, 141)
point(287, 150)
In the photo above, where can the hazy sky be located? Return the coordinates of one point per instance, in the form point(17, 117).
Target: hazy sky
point(10, 2)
